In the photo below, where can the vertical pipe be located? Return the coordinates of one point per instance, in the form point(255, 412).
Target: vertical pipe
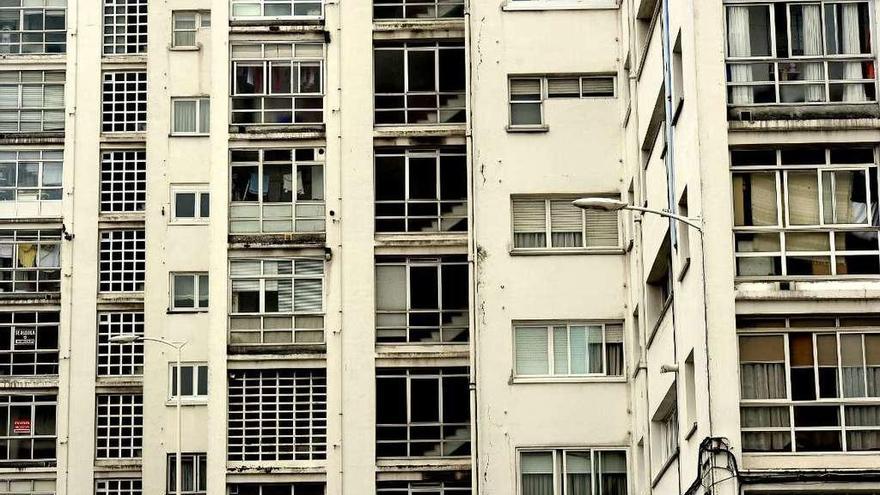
point(178, 457)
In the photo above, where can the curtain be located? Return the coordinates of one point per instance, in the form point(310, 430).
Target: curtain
point(614, 355)
point(812, 40)
point(768, 417)
point(185, 116)
point(204, 115)
point(873, 375)
point(763, 380)
point(853, 381)
point(739, 42)
point(537, 484)
point(529, 240)
point(578, 483)
point(862, 416)
point(595, 349)
point(849, 35)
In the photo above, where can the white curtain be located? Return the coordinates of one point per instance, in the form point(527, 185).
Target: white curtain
point(739, 40)
point(861, 439)
point(185, 116)
point(763, 380)
point(849, 35)
point(812, 39)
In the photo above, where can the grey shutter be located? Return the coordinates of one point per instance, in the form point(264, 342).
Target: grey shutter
point(598, 86)
point(602, 229)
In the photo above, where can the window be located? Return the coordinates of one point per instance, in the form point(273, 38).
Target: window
point(118, 487)
point(189, 291)
point(276, 9)
point(568, 349)
point(684, 231)
point(806, 212)
point(276, 301)
point(193, 382)
point(419, 9)
point(659, 286)
point(30, 175)
point(191, 116)
point(277, 83)
point(186, 25)
point(422, 300)
point(195, 474)
point(122, 260)
point(31, 101)
point(29, 343)
point(690, 385)
point(263, 198)
point(30, 261)
point(125, 27)
point(120, 359)
point(27, 429)
point(800, 53)
point(665, 433)
point(809, 384)
point(420, 82)
point(542, 223)
point(25, 486)
point(422, 412)
point(123, 180)
point(421, 190)
point(571, 471)
point(119, 427)
point(124, 104)
point(276, 489)
point(37, 27)
point(190, 204)
point(527, 94)
point(450, 487)
point(277, 415)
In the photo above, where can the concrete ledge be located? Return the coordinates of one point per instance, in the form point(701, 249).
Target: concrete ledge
point(249, 241)
point(276, 351)
point(26, 382)
point(418, 29)
point(32, 137)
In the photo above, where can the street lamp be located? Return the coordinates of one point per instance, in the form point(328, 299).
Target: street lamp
point(178, 346)
point(611, 204)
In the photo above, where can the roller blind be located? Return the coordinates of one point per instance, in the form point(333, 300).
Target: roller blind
point(525, 89)
point(563, 88)
point(597, 86)
point(528, 215)
point(601, 228)
point(307, 296)
point(531, 351)
point(564, 217)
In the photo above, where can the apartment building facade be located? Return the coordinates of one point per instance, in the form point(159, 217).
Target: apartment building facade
point(328, 247)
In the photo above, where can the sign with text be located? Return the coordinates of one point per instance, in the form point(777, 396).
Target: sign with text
point(21, 426)
point(25, 336)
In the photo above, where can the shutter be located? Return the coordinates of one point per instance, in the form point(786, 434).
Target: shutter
point(252, 51)
point(528, 215)
point(307, 296)
point(613, 333)
point(598, 86)
point(525, 89)
point(563, 88)
point(8, 96)
point(309, 50)
point(53, 96)
point(310, 267)
point(285, 295)
point(602, 229)
point(565, 217)
point(244, 268)
point(536, 462)
point(531, 351)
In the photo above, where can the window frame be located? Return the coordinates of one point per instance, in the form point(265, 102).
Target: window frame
point(403, 6)
point(118, 486)
point(544, 94)
point(548, 248)
point(40, 192)
point(17, 48)
point(121, 28)
point(26, 330)
point(201, 20)
point(197, 386)
point(117, 193)
point(46, 279)
point(199, 191)
point(549, 326)
point(126, 447)
point(52, 118)
point(198, 280)
point(263, 17)
point(111, 323)
point(202, 105)
point(113, 120)
point(121, 280)
point(198, 461)
point(560, 472)
point(32, 401)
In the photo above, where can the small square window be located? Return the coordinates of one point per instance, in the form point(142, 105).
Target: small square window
point(185, 27)
point(189, 291)
point(193, 382)
point(190, 205)
point(191, 116)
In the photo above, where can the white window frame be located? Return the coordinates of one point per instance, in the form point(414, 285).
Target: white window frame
point(235, 14)
point(544, 92)
point(404, 7)
point(309, 388)
point(117, 29)
point(548, 227)
point(197, 461)
point(42, 191)
point(118, 486)
point(54, 38)
point(118, 193)
point(25, 333)
point(28, 486)
point(114, 120)
point(198, 191)
point(201, 20)
point(32, 401)
point(196, 397)
point(112, 277)
point(202, 106)
point(559, 466)
point(120, 359)
point(48, 116)
point(111, 411)
point(552, 374)
point(200, 280)
point(45, 274)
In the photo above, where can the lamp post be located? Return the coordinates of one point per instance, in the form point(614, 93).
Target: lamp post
point(178, 346)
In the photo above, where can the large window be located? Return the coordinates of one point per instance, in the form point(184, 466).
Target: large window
point(572, 471)
point(27, 486)
point(806, 212)
point(420, 82)
point(418, 9)
point(124, 486)
point(31, 101)
point(38, 26)
point(277, 415)
point(30, 261)
point(124, 101)
point(276, 9)
point(125, 27)
point(421, 190)
point(123, 180)
point(120, 359)
point(422, 300)
point(303, 488)
point(554, 223)
point(277, 301)
point(30, 175)
point(781, 52)
point(195, 474)
point(462, 487)
point(810, 385)
point(277, 190)
point(119, 426)
point(528, 93)
point(422, 412)
point(277, 83)
point(29, 343)
point(568, 349)
point(27, 429)
point(122, 260)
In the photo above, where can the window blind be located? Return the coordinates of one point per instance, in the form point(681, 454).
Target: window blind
point(525, 89)
point(528, 215)
point(602, 228)
point(244, 268)
point(597, 86)
point(564, 217)
point(563, 88)
point(307, 295)
point(531, 350)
